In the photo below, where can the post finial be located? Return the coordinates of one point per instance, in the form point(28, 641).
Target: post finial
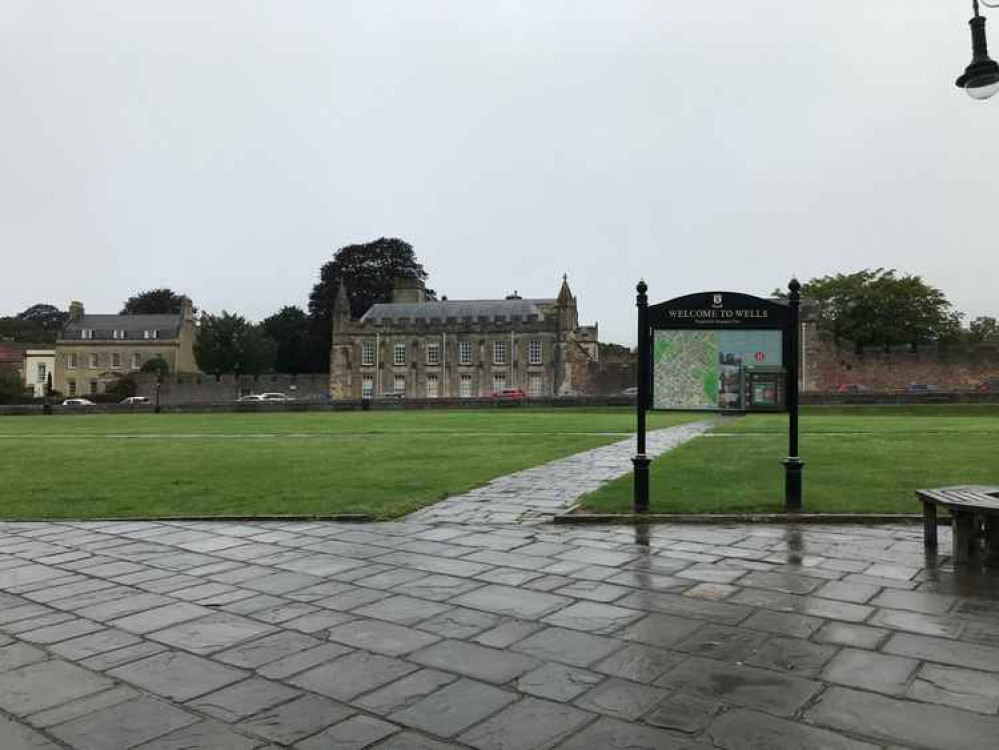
point(642, 287)
point(794, 285)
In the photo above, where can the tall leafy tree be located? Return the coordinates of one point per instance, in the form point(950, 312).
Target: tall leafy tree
point(157, 366)
point(228, 343)
point(984, 330)
point(49, 317)
point(39, 324)
point(882, 307)
point(298, 349)
point(153, 302)
point(368, 270)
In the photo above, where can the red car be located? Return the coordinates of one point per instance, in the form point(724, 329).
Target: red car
point(509, 394)
point(851, 388)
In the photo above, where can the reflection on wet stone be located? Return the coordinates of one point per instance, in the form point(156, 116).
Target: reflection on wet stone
point(576, 637)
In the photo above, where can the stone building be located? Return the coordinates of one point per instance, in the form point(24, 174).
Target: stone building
point(459, 348)
point(93, 350)
point(39, 364)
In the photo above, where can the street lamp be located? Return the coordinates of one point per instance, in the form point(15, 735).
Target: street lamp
point(981, 78)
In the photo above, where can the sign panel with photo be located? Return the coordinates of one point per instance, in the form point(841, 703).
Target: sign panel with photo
point(705, 346)
point(707, 369)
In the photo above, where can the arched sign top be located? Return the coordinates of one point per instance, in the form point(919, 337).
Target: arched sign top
point(714, 310)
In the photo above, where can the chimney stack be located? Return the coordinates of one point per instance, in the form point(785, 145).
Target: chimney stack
point(186, 308)
point(75, 311)
point(408, 289)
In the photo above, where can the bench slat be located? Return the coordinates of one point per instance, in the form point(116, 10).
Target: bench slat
point(961, 498)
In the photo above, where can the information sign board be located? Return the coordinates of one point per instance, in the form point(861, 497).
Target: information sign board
point(702, 345)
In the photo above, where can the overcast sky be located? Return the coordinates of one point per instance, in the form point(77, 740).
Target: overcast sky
point(225, 149)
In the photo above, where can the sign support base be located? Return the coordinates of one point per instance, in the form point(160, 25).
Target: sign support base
point(793, 467)
point(641, 500)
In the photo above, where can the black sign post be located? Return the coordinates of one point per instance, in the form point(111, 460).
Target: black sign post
point(718, 311)
point(641, 461)
point(793, 464)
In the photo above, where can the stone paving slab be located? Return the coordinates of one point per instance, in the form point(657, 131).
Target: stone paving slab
point(485, 636)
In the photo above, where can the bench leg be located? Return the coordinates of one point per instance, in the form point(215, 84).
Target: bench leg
point(992, 539)
point(964, 536)
point(929, 524)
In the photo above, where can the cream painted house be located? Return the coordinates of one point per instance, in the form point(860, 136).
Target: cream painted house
point(38, 365)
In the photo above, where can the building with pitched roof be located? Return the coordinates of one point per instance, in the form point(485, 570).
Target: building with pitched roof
point(422, 348)
point(92, 351)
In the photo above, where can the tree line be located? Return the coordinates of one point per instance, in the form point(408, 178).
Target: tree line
point(291, 340)
point(871, 307)
point(883, 307)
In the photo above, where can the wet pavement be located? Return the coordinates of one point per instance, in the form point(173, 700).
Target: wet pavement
point(535, 495)
point(171, 636)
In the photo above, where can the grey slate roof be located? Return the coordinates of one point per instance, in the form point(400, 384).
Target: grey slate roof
point(133, 325)
point(459, 309)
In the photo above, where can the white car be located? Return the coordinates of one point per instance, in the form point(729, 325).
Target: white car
point(78, 402)
point(135, 400)
point(275, 397)
point(249, 397)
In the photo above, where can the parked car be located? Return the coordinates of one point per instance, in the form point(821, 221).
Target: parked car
point(509, 394)
point(78, 402)
point(250, 397)
point(633, 391)
point(851, 388)
point(279, 397)
point(922, 387)
point(989, 385)
point(135, 400)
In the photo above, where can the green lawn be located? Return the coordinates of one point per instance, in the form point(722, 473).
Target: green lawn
point(857, 460)
point(384, 463)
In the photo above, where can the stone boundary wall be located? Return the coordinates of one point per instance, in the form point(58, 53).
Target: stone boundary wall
point(199, 388)
point(897, 398)
point(828, 364)
point(388, 404)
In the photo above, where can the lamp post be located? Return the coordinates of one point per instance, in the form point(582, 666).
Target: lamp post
point(981, 78)
point(159, 380)
point(641, 461)
point(793, 464)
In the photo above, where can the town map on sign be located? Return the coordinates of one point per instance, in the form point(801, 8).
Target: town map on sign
point(686, 368)
point(707, 369)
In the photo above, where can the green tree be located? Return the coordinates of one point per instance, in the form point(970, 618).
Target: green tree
point(984, 330)
point(153, 302)
point(298, 349)
point(12, 388)
point(368, 270)
point(49, 317)
point(157, 366)
point(228, 343)
point(29, 331)
point(881, 307)
point(123, 386)
point(39, 324)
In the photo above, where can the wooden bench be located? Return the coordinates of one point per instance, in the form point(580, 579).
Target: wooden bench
point(974, 513)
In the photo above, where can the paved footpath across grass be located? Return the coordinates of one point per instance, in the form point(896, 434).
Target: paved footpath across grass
point(412, 636)
point(538, 493)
